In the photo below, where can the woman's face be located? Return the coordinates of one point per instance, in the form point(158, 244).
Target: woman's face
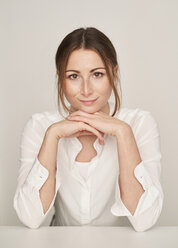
point(86, 80)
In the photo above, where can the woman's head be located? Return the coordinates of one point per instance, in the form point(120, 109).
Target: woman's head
point(83, 50)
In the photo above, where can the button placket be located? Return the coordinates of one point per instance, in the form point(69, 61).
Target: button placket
point(86, 203)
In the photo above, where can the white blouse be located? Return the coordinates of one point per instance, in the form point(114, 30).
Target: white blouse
point(87, 193)
point(83, 168)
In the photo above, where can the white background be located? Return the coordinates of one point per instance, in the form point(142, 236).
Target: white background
point(145, 36)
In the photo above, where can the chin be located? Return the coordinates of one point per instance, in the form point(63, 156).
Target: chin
point(91, 110)
point(88, 109)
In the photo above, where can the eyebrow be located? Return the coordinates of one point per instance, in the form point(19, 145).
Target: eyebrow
point(90, 71)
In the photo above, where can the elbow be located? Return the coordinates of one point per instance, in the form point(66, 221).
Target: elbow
point(32, 225)
point(141, 228)
point(143, 224)
point(146, 220)
point(30, 221)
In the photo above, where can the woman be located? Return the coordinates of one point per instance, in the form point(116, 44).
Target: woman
point(96, 162)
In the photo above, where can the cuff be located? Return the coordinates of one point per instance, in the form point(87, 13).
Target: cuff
point(147, 198)
point(38, 175)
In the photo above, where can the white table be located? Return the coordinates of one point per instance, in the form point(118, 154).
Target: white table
point(87, 237)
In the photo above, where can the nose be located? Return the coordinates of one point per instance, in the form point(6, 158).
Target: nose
point(86, 89)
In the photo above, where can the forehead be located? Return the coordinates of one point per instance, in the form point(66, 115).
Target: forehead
point(84, 58)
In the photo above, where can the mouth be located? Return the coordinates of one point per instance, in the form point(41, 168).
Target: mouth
point(88, 102)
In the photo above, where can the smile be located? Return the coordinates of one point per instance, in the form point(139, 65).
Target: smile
point(89, 102)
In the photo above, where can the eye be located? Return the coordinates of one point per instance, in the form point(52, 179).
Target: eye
point(71, 76)
point(98, 73)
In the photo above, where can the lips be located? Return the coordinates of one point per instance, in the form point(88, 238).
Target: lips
point(88, 102)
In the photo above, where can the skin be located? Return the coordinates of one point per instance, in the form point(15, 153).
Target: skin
point(84, 87)
point(87, 85)
point(89, 122)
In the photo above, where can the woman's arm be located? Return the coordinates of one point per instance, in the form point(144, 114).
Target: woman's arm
point(129, 157)
point(38, 181)
point(139, 194)
point(47, 157)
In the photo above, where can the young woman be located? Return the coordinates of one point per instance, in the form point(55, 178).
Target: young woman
point(96, 162)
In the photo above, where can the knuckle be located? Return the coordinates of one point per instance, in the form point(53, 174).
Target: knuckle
point(78, 112)
point(80, 123)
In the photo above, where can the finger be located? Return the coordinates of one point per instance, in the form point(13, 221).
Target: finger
point(79, 118)
point(81, 133)
point(101, 142)
point(84, 120)
point(85, 126)
point(81, 113)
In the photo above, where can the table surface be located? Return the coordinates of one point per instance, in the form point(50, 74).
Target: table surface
point(87, 237)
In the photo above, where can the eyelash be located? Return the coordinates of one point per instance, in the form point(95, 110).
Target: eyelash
point(76, 74)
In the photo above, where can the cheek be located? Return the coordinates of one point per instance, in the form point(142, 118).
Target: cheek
point(71, 90)
point(105, 89)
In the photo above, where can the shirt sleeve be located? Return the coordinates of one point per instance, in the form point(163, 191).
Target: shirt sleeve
point(147, 172)
point(32, 176)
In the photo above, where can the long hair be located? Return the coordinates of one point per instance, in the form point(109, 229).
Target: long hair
point(92, 39)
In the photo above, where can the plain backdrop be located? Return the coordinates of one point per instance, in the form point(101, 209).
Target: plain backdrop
point(145, 36)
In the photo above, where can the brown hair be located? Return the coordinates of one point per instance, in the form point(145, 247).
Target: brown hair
point(93, 39)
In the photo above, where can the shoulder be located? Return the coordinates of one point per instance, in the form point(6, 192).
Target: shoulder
point(50, 116)
point(142, 122)
point(42, 120)
point(131, 113)
point(136, 116)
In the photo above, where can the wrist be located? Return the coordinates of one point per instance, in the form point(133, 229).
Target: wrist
point(51, 133)
point(123, 130)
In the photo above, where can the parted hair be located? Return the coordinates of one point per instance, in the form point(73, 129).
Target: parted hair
point(88, 38)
